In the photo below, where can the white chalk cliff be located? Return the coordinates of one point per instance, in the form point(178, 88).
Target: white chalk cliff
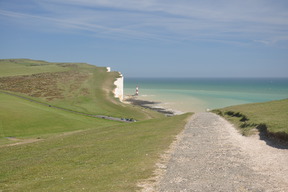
point(119, 90)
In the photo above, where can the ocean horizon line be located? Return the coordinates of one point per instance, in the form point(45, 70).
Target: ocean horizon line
point(206, 77)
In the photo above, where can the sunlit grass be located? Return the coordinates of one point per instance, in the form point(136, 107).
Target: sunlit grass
point(73, 152)
point(82, 87)
point(274, 115)
point(110, 158)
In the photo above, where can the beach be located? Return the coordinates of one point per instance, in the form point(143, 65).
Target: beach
point(153, 105)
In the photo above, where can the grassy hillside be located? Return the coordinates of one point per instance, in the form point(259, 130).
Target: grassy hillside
point(24, 119)
point(76, 86)
point(271, 116)
point(104, 159)
point(47, 149)
point(12, 67)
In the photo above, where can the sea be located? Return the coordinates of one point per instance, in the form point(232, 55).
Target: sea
point(202, 94)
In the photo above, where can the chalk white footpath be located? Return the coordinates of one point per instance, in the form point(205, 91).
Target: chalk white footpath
point(212, 156)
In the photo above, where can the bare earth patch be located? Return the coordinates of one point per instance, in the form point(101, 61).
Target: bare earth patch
point(211, 155)
point(18, 141)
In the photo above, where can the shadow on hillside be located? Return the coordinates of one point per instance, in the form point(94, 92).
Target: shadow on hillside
point(279, 140)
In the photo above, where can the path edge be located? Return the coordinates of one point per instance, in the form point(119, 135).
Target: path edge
point(150, 184)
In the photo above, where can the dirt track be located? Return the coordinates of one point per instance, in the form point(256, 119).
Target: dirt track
point(211, 155)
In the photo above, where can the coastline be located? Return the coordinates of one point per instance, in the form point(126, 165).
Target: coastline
point(152, 105)
point(202, 94)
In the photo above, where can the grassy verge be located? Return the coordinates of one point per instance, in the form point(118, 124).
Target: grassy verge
point(110, 158)
point(269, 117)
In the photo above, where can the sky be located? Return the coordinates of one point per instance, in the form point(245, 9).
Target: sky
point(152, 38)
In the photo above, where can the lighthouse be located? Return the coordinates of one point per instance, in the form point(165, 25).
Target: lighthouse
point(137, 91)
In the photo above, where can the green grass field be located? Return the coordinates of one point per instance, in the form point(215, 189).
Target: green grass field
point(102, 156)
point(73, 152)
point(22, 118)
point(272, 115)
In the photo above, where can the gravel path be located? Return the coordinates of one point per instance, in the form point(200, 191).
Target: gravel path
point(212, 156)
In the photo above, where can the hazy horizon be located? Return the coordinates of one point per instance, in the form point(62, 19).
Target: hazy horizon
point(153, 38)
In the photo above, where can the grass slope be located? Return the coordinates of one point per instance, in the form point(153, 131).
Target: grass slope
point(76, 86)
point(272, 116)
point(21, 118)
point(113, 158)
point(75, 152)
point(13, 67)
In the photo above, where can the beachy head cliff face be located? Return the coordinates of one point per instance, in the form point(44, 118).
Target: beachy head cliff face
point(119, 90)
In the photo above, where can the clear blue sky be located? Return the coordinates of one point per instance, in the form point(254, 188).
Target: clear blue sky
point(152, 38)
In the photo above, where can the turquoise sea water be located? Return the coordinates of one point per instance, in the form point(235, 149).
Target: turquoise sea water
point(200, 94)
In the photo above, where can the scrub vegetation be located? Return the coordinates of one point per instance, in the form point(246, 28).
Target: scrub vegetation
point(43, 148)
